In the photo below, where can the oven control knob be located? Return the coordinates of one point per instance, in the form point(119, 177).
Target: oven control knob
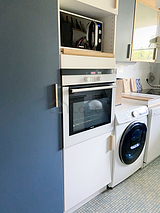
point(135, 114)
point(98, 78)
point(86, 79)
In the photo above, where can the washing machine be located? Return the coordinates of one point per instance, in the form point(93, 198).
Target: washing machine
point(152, 148)
point(130, 137)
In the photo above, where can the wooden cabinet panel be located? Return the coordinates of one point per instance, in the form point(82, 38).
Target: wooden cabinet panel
point(151, 3)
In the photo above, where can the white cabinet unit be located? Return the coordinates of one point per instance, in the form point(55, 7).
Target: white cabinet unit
point(104, 11)
point(87, 169)
point(90, 7)
point(87, 165)
point(109, 5)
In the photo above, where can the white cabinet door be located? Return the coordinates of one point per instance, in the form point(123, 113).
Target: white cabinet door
point(87, 169)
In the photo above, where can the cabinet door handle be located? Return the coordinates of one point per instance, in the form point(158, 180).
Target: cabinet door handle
point(128, 50)
point(155, 54)
point(111, 142)
point(56, 95)
point(115, 4)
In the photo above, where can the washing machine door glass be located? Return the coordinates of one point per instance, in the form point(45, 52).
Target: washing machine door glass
point(132, 142)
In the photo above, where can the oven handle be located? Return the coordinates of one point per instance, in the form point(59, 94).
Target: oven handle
point(92, 88)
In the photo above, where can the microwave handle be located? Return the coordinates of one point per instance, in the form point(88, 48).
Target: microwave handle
point(89, 34)
point(96, 35)
point(92, 88)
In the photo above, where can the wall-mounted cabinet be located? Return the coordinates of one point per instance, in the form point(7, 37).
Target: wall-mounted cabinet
point(145, 29)
point(136, 25)
point(103, 11)
point(124, 30)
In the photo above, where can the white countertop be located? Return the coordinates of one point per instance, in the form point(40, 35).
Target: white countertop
point(128, 104)
point(154, 99)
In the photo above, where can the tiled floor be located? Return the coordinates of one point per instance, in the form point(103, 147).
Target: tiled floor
point(139, 193)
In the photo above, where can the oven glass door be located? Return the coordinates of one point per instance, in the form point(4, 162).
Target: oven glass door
point(89, 108)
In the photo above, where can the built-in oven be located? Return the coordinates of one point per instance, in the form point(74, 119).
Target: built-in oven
point(88, 98)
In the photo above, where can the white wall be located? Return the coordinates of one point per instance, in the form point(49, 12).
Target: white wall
point(138, 70)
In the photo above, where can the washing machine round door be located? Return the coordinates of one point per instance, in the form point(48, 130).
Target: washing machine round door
point(132, 142)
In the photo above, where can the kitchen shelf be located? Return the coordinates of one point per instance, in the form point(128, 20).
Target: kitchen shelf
point(71, 51)
point(104, 11)
point(91, 8)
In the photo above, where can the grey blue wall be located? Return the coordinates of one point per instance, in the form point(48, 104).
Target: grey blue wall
point(31, 179)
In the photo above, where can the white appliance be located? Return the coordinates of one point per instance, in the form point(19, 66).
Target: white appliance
point(130, 137)
point(152, 150)
point(88, 103)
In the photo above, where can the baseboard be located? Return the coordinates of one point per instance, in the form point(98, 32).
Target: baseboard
point(86, 200)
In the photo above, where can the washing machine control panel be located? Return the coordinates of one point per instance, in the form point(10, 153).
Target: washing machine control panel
point(143, 111)
point(140, 112)
point(134, 114)
point(130, 115)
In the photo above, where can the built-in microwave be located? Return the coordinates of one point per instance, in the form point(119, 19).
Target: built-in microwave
point(80, 32)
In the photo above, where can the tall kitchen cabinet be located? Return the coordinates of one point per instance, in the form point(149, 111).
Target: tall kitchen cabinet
point(88, 164)
point(31, 174)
